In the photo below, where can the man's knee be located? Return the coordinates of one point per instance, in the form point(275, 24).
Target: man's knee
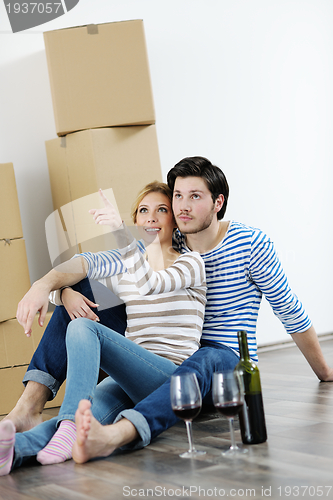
point(208, 360)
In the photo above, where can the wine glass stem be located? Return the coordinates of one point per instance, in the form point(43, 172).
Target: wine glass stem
point(232, 434)
point(189, 434)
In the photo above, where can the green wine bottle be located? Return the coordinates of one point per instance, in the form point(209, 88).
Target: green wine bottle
point(252, 417)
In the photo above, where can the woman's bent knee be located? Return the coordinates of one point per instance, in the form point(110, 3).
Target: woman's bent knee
point(78, 328)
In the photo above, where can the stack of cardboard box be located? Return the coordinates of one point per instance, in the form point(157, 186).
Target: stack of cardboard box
point(15, 348)
point(105, 120)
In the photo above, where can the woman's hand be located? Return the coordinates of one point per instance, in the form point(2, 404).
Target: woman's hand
point(77, 305)
point(108, 215)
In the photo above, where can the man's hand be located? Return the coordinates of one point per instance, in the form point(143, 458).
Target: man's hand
point(329, 376)
point(77, 305)
point(108, 215)
point(35, 300)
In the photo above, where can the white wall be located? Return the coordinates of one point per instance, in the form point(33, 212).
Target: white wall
point(247, 83)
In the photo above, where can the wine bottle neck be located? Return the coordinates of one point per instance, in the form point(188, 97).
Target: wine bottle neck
point(243, 346)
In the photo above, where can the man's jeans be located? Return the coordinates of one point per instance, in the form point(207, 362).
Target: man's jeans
point(156, 408)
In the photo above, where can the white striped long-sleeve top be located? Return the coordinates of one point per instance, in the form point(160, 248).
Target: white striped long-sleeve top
point(165, 309)
point(239, 270)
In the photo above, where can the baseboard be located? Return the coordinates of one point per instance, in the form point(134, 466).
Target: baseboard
point(290, 343)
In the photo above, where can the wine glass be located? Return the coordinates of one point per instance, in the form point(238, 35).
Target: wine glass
point(228, 399)
point(186, 403)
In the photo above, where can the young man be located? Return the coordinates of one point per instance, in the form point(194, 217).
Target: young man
point(241, 264)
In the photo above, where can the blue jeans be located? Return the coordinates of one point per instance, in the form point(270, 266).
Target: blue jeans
point(153, 415)
point(134, 372)
point(49, 362)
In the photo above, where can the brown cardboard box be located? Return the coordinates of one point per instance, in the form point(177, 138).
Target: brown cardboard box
point(15, 355)
point(11, 388)
point(123, 159)
point(15, 347)
point(99, 76)
point(14, 272)
point(10, 220)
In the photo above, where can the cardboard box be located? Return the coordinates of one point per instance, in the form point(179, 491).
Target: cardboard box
point(15, 347)
point(15, 280)
point(99, 76)
point(12, 388)
point(10, 221)
point(123, 159)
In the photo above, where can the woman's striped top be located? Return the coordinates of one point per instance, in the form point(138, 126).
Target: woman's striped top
point(165, 309)
point(239, 270)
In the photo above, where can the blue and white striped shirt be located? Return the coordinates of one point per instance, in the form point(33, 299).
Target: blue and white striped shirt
point(239, 270)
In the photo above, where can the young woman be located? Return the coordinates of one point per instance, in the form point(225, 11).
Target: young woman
point(165, 295)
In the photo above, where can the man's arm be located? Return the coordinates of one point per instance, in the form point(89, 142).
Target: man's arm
point(308, 344)
point(37, 298)
point(267, 273)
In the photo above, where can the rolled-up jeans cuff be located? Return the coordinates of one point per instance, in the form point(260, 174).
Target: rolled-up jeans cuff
point(141, 425)
point(44, 379)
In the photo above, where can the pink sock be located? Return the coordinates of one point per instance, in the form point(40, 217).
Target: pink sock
point(59, 449)
point(7, 441)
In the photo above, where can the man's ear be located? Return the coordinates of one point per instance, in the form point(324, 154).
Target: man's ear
point(219, 203)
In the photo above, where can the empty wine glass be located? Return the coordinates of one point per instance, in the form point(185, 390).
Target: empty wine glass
point(186, 403)
point(228, 399)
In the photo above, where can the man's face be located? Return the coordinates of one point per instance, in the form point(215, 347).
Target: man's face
point(192, 205)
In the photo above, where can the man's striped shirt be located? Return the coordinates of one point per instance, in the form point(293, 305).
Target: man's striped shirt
point(239, 270)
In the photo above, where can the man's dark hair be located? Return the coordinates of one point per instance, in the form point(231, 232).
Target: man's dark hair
point(198, 166)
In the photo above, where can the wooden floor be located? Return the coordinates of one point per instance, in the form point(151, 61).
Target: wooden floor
point(296, 461)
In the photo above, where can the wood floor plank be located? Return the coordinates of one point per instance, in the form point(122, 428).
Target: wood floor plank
point(298, 453)
point(7, 492)
point(55, 492)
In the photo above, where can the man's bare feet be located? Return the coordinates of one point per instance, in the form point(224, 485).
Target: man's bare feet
point(28, 410)
point(96, 440)
point(22, 420)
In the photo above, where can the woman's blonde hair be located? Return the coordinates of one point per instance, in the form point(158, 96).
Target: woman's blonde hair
point(152, 187)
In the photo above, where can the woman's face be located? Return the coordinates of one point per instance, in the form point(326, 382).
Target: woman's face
point(155, 218)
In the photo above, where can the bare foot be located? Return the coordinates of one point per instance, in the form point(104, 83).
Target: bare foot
point(83, 420)
point(93, 439)
point(28, 410)
point(23, 421)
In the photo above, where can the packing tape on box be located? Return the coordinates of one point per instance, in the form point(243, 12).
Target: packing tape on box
point(6, 240)
point(63, 142)
point(92, 29)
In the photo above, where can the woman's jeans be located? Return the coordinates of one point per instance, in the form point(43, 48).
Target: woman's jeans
point(134, 372)
point(154, 413)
